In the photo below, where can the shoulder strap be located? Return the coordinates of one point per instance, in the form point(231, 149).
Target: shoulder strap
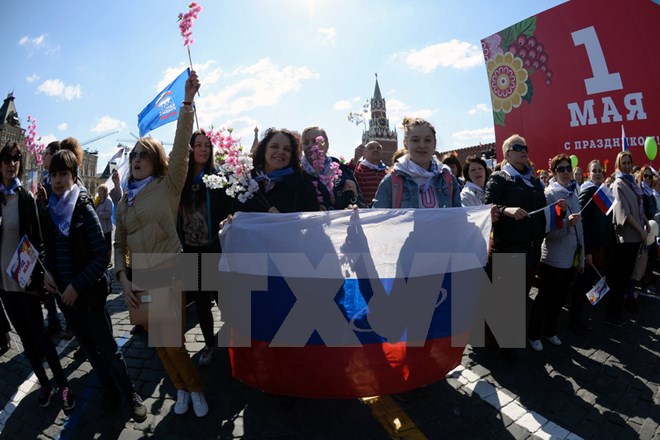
point(397, 190)
point(450, 184)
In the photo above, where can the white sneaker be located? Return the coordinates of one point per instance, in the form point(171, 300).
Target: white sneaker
point(200, 406)
point(554, 340)
point(536, 345)
point(182, 402)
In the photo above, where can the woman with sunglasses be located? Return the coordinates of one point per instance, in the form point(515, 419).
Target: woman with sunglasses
point(146, 226)
point(645, 182)
point(560, 256)
point(18, 211)
point(630, 226)
point(515, 191)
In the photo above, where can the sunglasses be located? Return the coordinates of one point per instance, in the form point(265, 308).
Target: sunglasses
point(141, 154)
point(519, 148)
point(565, 169)
point(8, 160)
point(648, 176)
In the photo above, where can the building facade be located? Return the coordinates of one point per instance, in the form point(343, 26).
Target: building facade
point(11, 131)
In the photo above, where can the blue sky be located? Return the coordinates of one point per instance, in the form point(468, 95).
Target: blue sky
point(84, 69)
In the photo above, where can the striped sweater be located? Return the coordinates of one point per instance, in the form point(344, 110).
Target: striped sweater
point(368, 180)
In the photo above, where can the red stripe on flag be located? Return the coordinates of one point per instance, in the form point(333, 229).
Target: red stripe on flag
point(321, 372)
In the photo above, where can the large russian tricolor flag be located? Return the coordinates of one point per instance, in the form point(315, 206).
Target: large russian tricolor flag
point(350, 303)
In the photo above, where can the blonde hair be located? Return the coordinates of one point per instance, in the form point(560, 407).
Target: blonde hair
point(512, 140)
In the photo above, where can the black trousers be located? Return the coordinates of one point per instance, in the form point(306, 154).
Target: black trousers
point(546, 308)
point(618, 278)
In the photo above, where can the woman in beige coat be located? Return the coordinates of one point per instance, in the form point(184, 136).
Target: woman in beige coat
point(146, 228)
point(630, 226)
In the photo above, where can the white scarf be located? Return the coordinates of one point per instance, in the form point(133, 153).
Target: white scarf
point(380, 167)
point(61, 208)
point(479, 191)
point(562, 191)
point(511, 171)
point(422, 177)
point(135, 186)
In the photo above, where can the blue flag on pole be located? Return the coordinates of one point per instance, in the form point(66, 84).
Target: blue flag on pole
point(165, 106)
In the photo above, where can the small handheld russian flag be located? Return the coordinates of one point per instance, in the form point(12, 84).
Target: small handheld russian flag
point(604, 198)
point(555, 219)
point(624, 140)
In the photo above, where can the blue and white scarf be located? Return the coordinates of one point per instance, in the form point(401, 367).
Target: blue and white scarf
point(477, 190)
point(135, 186)
point(272, 177)
point(380, 167)
point(647, 190)
point(564, 192)
point(422, 177)
point(61, 208)
point(309, 168)
point(527, 177)
point(12, 188)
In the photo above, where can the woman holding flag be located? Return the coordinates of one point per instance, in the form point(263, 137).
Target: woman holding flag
point(630, 227)
point(146, 226)
point(561, 255)
point(598, 243)
point(18, 212)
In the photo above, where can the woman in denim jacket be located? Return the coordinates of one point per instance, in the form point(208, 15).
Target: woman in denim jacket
point(418, 179)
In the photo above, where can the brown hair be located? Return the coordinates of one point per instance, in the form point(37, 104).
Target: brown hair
point(619, 157)
point(156, 154)
point(7, 151)
point(478, 160)
point(259, 157)
point(558, 158)
point(73, 145)
point(64, 160)
point(411, 122)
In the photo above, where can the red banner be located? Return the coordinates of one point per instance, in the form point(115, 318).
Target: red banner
point(573, 78)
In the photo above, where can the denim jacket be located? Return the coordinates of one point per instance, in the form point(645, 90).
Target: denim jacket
point(410, 197)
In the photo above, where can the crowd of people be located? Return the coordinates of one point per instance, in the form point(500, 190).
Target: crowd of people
point(166, 208)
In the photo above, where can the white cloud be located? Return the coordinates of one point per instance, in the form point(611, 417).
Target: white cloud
point(342, 105)
point(207, 75)
point(262, 84)
point(356, 99)
point(32, 78)
point(63, 126)
point(480, 134)
point(106, 123)
point(479, 108)
point(243, 128)
point(455, 54)
point(38, 44)
point(327, 35)
point(47, 139)
point(35, 42)
point(397, 110)
point(55, 87)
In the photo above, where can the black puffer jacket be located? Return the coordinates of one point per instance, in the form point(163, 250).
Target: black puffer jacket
point(516, 235)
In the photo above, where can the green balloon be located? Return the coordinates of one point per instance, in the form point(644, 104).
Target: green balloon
point(650, 148)
point(574, 160)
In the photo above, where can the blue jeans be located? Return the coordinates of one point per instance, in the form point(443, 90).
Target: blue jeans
point(93, 329)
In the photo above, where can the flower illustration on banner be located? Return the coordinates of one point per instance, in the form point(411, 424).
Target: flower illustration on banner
point(513, 57)
point(491, 46)
point(507, 81)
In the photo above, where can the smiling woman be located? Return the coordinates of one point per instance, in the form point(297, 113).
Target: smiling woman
point(277, 169)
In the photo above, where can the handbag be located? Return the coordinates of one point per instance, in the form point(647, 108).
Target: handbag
point(158, 306)
point(640, 262)
point(577, 256)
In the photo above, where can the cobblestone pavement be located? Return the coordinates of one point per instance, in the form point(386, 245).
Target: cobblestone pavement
point(602, 385)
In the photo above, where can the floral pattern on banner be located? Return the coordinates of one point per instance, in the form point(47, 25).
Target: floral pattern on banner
point(513, 56)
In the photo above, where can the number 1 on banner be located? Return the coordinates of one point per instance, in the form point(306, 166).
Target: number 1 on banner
point(603, 80)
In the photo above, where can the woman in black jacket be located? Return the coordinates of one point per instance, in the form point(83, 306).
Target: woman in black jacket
point(277, 169)
point(515, 191)
point(18, 212)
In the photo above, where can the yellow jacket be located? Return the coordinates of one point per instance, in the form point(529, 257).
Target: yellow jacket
point(149, 226)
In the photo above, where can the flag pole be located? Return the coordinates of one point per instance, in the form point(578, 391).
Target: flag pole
point(584, 207)
point(543, 209)
point(50, 278)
